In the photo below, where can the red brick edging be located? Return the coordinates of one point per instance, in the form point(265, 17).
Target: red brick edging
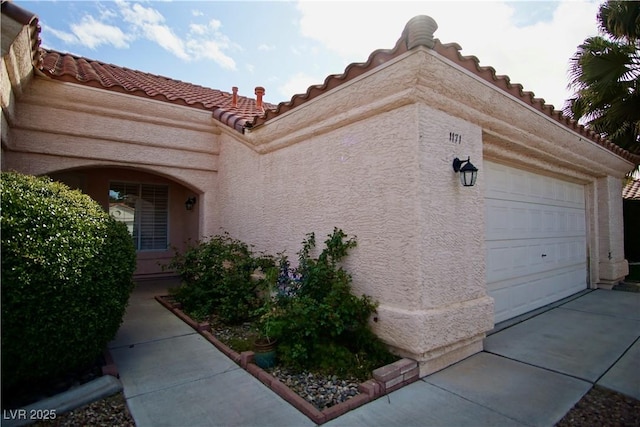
point(385, 379)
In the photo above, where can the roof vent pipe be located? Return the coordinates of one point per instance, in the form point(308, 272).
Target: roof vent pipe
point(420, 31)
point(259, 94)
point(234, 98)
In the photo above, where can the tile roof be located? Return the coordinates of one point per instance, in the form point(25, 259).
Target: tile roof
point(71, 68)
point(632, 190)
point(418, 32)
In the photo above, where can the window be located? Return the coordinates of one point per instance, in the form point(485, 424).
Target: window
point(144, 208)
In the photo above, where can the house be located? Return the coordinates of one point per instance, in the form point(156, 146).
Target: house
point(370, 151)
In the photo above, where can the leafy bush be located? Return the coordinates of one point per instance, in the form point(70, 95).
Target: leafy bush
point(67, 271)
point(322, 325)
point(218, 277)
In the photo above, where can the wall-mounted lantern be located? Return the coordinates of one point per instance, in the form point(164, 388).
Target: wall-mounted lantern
point(468, 172)
point(190, 203)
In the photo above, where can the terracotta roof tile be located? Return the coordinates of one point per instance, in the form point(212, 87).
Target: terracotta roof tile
point(352, 71)
point(71, 68)
point(632, 190)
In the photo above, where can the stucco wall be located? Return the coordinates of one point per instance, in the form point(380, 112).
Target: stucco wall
point(360, 178)
point(81, 131)
point(420, 238)
point(613, 266)
point(16, 72)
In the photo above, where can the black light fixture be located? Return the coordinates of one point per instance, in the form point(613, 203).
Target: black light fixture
point(191, 201)
point(468, 172)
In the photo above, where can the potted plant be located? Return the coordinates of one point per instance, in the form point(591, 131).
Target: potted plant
point(264, 346)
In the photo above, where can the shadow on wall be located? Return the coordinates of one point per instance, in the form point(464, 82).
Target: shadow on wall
point(631, 209)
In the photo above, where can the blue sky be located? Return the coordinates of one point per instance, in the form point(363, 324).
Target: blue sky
point(288, 46)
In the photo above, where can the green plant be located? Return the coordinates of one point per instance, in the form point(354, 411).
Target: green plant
point(67, 271)
point(323, 325)
point(219, 277)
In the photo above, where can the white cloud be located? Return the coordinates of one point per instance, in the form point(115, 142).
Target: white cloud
point(266, 47)
point(198, 29)
point(62, 35)
point(92, 33)
point(206, 41)
point(211, 49)
point(106, 13)
point(298, 84)
point(536, 56)
point(196, 12)
point(215, 25)
point(149, 22)
point(211, 27)
point(136, 21)
point(202, 42)
point(166, 39)
point(138, 14)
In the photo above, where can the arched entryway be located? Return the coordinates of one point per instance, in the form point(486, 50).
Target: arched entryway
point(152, 206)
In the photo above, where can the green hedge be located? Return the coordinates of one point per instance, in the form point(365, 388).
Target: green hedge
point(67, 270)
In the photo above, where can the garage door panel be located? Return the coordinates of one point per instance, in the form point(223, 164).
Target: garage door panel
point(507, 219)
point(525, 186)
point(535, 239)
point(523, 294)
point(513, 258)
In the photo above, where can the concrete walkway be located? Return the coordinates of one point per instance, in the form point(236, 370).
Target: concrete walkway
point(530, 374)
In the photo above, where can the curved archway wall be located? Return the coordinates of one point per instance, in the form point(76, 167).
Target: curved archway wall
point(183, 224)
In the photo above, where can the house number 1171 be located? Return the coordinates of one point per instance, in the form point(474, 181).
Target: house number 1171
point(456, 138)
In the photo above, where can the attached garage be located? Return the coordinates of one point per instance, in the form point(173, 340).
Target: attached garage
point(536, 245)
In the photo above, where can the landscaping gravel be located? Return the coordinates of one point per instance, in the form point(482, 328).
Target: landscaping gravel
point(322, 391)
point(603, 407)
point(111, 411)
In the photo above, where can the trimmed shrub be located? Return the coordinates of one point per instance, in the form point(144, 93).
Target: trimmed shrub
point(67, 270)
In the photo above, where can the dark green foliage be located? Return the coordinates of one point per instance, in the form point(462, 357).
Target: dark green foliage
point(217, 278)
point(310, 310)
point(605, 75)
point(322, 324)
point(67, 271)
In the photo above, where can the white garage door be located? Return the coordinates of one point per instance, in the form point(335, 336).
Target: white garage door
point(535, 239)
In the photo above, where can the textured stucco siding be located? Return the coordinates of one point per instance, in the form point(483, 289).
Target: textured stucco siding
point(76, 123)
point(16, 72)
point(612, 264)
point(84, 132)
point(360, 178)
point(420, 237)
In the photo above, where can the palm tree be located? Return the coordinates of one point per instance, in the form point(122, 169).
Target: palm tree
point(605, 74)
